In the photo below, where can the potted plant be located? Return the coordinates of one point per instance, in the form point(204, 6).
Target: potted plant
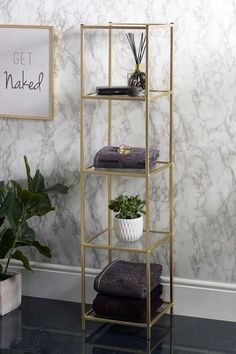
point(128, 222)
point(17, 205)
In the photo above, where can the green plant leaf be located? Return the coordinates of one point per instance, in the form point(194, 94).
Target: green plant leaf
point(57, 188)
point(127, 207)
point(29, 178)
point(1, 233)
point(14, 187)
point(44, 250)
point(6, 242)
point(3, 192)
point(38, 182)
point(38, 204)
point(27, 233)
point(11, 206)
point(1, 221)
point(40, 208)
point(15, 213)
point(29, 197)
point(21, 257)
point(6, 204)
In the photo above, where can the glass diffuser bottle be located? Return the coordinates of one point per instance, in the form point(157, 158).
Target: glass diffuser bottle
point(137, 78)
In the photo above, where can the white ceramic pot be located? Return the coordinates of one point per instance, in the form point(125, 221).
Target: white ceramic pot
point(10, 294)
point(128, 229)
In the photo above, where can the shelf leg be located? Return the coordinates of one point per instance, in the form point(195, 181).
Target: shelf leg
point(110, 142)
point(171, 206)
point(149, 333)
point(82, 224)
point(148, 300)
point(147, 192)
point(171, 237)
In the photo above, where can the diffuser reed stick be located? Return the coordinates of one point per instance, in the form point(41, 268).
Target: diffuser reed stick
point(142, 46)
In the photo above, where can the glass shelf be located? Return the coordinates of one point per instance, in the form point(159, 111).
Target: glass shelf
point(153, 95)
point(160, 166)
point(104, 339)
point(91, 315)
point(101, 240)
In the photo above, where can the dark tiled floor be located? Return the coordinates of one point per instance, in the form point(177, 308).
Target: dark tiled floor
point(43, 326)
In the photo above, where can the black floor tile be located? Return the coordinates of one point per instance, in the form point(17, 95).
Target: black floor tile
point(42, 326)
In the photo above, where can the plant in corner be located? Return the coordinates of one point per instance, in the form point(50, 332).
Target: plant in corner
point(17, 205)
point(128, 222)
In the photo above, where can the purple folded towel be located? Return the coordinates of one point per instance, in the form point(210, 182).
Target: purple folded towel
point(109, 157)
point(126, 308)
point(128, 279)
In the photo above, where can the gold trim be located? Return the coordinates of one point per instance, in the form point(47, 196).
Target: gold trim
point(167, 306)
point(108, 26)
point(107, 320)
point(128, 26)
point(154, 95)
point(91, 316)
point(82, 206)
point(93, 170)
point(165, 237)
point(51, 77)
point(113, 248)
point(171, 183)
point(27, 26)
point(160, 242)
point(93, 237)
point(109, 177)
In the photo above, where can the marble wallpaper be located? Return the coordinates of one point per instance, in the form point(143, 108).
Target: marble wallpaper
point(204, 128)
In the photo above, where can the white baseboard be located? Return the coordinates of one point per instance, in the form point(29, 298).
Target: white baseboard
point(193, 298)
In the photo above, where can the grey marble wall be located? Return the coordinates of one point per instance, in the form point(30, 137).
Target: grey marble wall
point(204, 127)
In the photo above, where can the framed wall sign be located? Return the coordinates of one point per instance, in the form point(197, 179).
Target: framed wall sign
point(26, 71)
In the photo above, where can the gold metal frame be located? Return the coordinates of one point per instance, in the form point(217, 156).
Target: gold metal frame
point(51, 73)
point(89, 241)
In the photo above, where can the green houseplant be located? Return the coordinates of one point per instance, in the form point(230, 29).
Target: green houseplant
point(128, 222)
point(18, 204)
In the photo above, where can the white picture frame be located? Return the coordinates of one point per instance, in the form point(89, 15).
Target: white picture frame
point(26, 72)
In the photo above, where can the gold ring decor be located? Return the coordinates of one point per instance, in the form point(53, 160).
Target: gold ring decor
point(124, 149)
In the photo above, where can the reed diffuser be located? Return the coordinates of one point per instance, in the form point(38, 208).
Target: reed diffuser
point(137, 78)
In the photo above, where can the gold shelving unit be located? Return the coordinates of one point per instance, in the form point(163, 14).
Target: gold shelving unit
point(152, 238)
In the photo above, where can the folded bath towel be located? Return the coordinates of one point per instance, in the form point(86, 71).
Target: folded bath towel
point(126, 308)
point(122, 278)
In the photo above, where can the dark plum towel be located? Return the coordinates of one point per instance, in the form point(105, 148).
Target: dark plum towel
point(109, 157)
point(122, 278)
point(126, 307)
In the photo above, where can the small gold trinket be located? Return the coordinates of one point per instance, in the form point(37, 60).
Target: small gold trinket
point(124, 149)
